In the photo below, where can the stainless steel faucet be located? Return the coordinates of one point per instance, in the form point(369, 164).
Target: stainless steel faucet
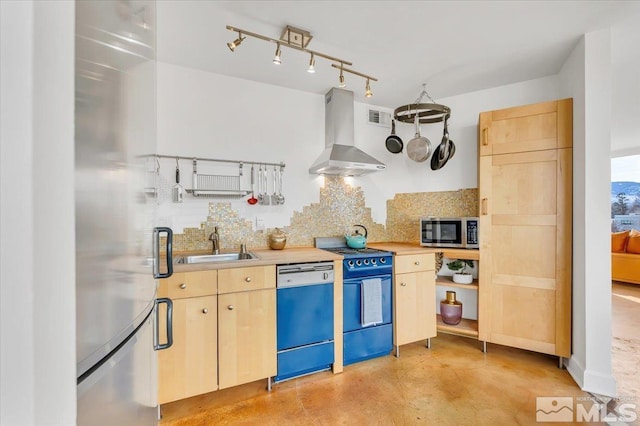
point(215, 239)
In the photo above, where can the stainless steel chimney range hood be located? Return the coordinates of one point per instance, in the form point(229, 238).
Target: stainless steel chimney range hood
point(341, 157)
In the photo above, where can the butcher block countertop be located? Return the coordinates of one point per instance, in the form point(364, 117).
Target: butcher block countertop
point(265, 257)
point(403, 248)
point(311, 254)
point(413, 248)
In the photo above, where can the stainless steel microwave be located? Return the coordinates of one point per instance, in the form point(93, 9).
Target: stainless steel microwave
point(458, 232)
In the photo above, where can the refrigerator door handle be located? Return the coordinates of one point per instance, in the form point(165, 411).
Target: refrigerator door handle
point(159, 346)
point(156, 252)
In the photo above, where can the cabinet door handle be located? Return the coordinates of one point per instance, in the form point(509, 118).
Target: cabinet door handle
point(248, 279)
point(205, 311)
point(484, 203)
point(403, 284)
point(231, 307)
point(183, 286)
point(485, 136)
point(157, 345)
point(417, 263)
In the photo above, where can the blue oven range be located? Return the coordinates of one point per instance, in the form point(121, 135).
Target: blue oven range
point(368, 331)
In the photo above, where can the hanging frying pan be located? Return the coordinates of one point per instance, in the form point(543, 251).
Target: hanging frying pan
point(394, 143)
point(418, 148)
point(444, 151)
point(436, 161)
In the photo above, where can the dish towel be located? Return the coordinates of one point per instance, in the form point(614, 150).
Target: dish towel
point(371, 306)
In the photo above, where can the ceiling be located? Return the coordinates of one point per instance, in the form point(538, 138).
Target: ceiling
point(454, 47)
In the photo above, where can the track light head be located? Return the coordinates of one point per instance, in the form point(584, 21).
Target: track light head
point(276, 58)
point(312, 63)
point(341, 79)
point(235, 43)
point(368, 93)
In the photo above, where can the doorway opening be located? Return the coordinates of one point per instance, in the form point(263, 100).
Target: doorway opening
point(625, 216)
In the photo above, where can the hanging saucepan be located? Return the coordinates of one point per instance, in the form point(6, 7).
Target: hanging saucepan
point(443, 152)
point(394, 143)
point(418, 148)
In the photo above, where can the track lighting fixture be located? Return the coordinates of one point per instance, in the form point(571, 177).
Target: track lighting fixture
point(276, 58)
point(298, 39)
point(235, 43)
point(368, 93)
point(312, 65)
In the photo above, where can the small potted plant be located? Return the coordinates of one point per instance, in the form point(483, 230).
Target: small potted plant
point(460, 265)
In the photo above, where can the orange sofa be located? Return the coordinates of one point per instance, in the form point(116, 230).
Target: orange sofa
point(625, 256)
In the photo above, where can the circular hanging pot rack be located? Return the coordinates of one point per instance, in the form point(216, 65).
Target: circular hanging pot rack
point(427, 112)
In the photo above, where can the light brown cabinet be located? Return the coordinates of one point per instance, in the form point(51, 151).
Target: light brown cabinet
point(525, 190)
point(414, 316)
point(247, 325)
point(219, 340)
point(189, 367)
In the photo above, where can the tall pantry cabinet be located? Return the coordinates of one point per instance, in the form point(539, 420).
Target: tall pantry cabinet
point(525, 190)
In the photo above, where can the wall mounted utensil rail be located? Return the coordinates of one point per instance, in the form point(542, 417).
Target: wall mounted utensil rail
point(223, 185)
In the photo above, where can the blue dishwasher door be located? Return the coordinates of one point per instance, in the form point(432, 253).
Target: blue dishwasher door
point(305, 315)
point(304, 360)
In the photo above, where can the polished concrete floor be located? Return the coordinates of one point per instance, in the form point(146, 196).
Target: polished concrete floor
point(453, 383)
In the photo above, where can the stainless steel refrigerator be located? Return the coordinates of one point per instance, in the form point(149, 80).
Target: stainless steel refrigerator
point(117, 259)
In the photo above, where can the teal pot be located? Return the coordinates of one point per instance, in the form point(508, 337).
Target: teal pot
point(357, 240)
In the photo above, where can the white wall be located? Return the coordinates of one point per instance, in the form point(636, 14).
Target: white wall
point(209, 115)
point(586, 76)
point(625, 58)
point(37, 270)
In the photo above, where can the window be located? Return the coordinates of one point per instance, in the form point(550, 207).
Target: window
point(625, 193)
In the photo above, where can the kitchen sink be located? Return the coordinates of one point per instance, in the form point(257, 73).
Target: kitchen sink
point(207, 258)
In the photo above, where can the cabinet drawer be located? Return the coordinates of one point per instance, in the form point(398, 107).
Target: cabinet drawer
point(243, 279)
point(414, 263)
point(189, 284)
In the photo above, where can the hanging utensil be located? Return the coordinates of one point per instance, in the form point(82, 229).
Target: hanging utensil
point(265, 199)
point(274, 196)
point(177, 193)
point(280, 198)
point(252, 200)
point(393, 143)
point(419, 147)
point(260, 194)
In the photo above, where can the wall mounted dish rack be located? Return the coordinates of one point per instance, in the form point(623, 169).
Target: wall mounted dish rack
point(219, 185)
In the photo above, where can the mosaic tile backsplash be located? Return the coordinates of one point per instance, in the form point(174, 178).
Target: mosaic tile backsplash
point(405, 210)
point(340, 206)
